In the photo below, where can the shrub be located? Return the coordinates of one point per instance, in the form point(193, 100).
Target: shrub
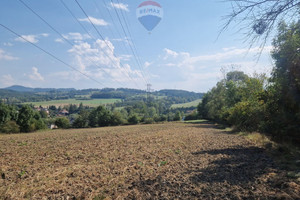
point(247, 116)
point(133, 119)
point(177, 116)
point(62, 122)
point(148, 120)
point(39, 124)
point(192, 116)
point(163, 118)
point(80, 122)
point(116, 119)
point(10, 127)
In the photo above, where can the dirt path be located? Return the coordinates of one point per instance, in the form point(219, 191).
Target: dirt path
point(163, 161)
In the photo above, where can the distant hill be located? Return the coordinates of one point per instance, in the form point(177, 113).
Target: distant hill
point(20, 88)
point(179, 93)
point(123, 93)
point(21, 94)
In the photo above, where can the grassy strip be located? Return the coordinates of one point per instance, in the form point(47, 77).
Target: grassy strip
point(286, 155)
point(187, 105)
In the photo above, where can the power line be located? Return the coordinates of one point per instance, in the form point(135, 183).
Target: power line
point(135, 56)
point(109, 27)
point(65, 39)
point(115, 24)
point(134, 46)
point(101, 36)
point(113, 21)
point(36, 14)
point(72, 14)
point(50, 54)
point(102, 16)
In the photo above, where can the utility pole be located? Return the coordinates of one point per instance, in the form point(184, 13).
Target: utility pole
point(148, 92)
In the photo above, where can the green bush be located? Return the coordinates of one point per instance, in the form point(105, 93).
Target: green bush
point(192, 116)
point(82, 120)
point(163, 118)
point(39, 124)
point(10, 127)
point(116, 119)
point(148, 120)
point(133, 119)
point(177, 116)
point(247, 116)
point(62, 122)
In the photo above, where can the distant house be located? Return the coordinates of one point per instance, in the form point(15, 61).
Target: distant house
point(53, 126)
point(63, 112)
point(42, 109)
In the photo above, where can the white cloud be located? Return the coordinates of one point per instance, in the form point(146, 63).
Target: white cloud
point(125, 39)
point(170, 53)
point(5, 56)
point(31, 38)
point(44, 34)
point(76, 36)
point(59, 40)
point(201, 72)
point(8, 44)
point(147, 64)
point(170, 64)
point(35, 75)
point(98, 61)
point(97, 22)
point(125, 57)
point(184, 59)
point(7, 80)
point(120, 6)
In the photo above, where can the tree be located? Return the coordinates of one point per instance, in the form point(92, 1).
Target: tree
point(133, 119)
point(82, 121)
point(4, 113)
point(213, 103)
point(62, 122)
point(192, 116)
point(116, 119)
point(72, 108)
point(177, 116)
point(259, 17)
point(284, 90)
point(25, 119)
point(100, 117)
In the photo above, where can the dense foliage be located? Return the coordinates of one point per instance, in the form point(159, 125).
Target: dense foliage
point(24, 119)
point(259, 104)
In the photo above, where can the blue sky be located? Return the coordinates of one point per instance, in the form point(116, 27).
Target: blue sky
point(182, 52)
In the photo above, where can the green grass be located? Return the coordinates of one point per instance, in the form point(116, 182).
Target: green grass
point(199, 121)
point(91, 103)
point(187, 105)
point(83, 96)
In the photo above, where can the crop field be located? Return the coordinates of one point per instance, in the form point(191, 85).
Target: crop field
point(161, 161)
point(91, 103)
point(187, 105)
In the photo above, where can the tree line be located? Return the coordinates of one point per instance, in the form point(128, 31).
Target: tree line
point(27, 118)
point(269, 105)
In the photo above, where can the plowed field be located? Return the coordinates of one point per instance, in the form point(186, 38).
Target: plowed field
point(162, 161)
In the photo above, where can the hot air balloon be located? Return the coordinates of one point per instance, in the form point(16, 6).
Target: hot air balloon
point(149, 13)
